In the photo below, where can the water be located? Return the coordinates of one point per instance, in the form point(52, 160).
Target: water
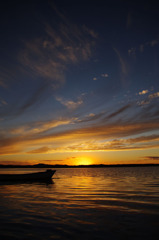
point(85, 203)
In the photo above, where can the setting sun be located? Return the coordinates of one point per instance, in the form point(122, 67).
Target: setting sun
point(84, 161)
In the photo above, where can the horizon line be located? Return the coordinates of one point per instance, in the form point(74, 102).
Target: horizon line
point(43, 165)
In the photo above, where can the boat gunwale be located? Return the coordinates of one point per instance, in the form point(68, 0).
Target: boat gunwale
point(47, 175)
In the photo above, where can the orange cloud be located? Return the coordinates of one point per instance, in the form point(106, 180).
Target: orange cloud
point(117, 136)
point(40, 150)
point(143, 92)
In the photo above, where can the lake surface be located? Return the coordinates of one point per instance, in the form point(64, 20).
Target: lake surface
point(85, 203)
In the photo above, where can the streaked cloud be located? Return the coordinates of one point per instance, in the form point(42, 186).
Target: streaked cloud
point(119, 111)
point(129, 20)
point(3, 102)
point(40, 150)
point(2, 84)
point(152, 158)
point(49, 55)
point(36, 138)
point(113, 145)
point(124, 67)
point(40, 127)
point(141, 47)
point(122, 62)
point(91, 117)
point(42, 59)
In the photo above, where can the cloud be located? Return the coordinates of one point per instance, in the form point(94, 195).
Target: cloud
point(70, 104)
point(153, 95)
point(115, 144)
point(124, 67)
point(42, 59)
point(105, 75)
point(9, 145)
point(39, 127)
point(122, 62)
point(151, 43)
point(49, 55)
point(37, 96)
point(154, 42)
point(3, 102)
point(74, 134)
point(143, 92)
point(40, 150)
point(149, 98)
point(2, 84)
point(106, 137)
point(129, 20)
point(119, 111)
point(152, 158)
point(141, 47)
point(144, 102)
point(91, 117)
point(34, 98)
point(132, 52)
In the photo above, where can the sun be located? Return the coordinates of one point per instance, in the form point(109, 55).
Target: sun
point(84, 161)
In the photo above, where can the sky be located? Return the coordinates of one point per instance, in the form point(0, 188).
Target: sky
point(79, 82)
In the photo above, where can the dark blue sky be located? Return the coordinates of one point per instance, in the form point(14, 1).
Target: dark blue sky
point(70, 68)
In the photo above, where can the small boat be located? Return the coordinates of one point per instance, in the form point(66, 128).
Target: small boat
point(36, 176)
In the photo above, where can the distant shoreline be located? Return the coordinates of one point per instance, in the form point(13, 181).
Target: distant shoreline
point(41, 165)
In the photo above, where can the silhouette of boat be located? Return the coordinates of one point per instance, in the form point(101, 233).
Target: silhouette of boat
point(36, 176)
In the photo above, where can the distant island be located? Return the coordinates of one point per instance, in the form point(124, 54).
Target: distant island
point(42, 165)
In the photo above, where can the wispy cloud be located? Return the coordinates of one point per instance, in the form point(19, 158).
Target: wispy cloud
point(151, 43)
point(40, 150)
point(119, 111)
point(91, 117)
point(113, 145)
point(102, 131)
point(150, 97)
point(152, 158)
point(122, 62)
point(3, 102)
point(105, 137)
point(134, 50)
point(41, 62)
point(70, 104)
point(129, 20)
point(2, 83)
point(39, 127)
point(124, 67)
point(49, 55)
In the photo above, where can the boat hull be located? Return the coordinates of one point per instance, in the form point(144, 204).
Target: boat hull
point(38, 176)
